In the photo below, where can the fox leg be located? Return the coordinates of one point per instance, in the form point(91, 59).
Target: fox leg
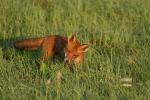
point(47, 55)
point(48, 51)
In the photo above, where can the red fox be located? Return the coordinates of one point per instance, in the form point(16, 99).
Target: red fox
point(70, 48)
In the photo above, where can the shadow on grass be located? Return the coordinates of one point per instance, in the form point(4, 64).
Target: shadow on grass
point(7, 47)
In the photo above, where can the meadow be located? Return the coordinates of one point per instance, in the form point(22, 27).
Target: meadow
point(119, 30)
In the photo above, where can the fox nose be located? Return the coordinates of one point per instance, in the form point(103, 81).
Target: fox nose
point(66, 60)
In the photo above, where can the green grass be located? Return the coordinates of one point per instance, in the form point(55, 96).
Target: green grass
point(121, 29)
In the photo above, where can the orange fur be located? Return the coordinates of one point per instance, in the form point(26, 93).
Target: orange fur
point(56, 44)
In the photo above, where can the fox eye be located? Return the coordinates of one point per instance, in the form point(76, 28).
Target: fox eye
point(68, 51)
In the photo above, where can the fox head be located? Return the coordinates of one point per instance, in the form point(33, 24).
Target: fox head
point(74, 51)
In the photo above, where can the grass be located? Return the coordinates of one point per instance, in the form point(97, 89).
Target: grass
point(120, 29)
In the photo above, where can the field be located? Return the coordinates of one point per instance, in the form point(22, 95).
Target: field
point(119, 30)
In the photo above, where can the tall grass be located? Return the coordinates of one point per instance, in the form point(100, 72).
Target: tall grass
point(119, 28)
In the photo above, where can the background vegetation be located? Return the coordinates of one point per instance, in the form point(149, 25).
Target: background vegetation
point(120, 30)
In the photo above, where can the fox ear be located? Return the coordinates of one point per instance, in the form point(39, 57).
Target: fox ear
point(72, 38)
point(85, 47)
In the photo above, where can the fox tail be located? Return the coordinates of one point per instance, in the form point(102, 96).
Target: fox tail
point(29, 44)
